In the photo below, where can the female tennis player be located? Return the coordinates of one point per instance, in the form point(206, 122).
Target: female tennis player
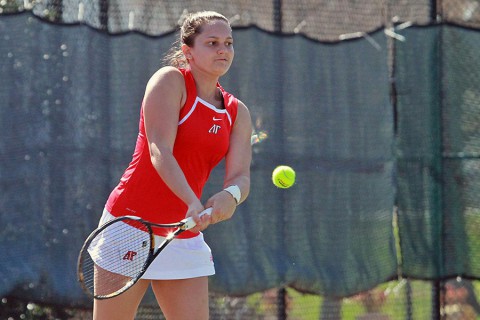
point(188, 124)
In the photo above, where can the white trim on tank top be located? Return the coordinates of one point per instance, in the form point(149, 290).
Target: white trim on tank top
point(206, 104)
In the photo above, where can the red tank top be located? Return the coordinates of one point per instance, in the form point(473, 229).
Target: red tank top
point(202, 141)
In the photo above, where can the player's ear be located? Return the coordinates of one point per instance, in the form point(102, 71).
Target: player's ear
point(186, 51)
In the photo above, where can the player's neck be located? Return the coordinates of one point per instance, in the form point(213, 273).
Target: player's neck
point(206, 86)
point(214, 97)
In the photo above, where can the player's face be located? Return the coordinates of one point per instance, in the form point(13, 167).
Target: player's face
point(213, 48)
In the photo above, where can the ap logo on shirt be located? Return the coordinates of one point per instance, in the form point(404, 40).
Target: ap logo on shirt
point(214, 129)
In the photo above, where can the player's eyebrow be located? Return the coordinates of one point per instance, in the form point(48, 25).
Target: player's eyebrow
point(215, 37)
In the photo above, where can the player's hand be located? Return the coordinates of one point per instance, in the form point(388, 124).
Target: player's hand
point(223, 205)
point(202, 222)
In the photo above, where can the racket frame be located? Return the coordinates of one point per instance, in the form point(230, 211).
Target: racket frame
point(181, 226)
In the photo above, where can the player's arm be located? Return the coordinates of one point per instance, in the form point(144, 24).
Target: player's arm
point(164, 96)
point(237, 167)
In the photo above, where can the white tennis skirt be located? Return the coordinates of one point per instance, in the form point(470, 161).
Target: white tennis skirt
point(180, 259)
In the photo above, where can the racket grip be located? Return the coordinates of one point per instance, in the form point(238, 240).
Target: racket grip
point(190, 223)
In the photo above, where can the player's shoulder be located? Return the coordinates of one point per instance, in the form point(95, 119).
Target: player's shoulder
point(243, 114)
point(242, 106)
point(167, 75)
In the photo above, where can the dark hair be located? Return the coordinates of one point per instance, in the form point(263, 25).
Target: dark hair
point(191, 27)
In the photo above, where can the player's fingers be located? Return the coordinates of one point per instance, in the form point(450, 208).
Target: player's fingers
point(196, 216)
point(202, 222)
point(217, 217)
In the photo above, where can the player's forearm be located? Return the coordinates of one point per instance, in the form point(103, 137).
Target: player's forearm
point(171, 173)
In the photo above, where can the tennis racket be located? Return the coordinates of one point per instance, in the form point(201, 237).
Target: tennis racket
point(118, 253)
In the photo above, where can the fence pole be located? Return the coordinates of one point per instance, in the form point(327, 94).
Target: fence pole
point(281, 304)
point(281, 293)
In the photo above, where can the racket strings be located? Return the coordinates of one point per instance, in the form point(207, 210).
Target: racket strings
point(115, 257)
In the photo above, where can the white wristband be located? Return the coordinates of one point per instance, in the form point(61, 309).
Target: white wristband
point(235, 192)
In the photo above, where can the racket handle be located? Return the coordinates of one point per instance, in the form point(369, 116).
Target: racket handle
point(190, 223)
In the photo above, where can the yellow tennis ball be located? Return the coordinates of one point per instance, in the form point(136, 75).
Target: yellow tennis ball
point(283, 177)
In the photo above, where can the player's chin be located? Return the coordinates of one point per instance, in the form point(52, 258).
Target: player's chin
point(221, 67)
